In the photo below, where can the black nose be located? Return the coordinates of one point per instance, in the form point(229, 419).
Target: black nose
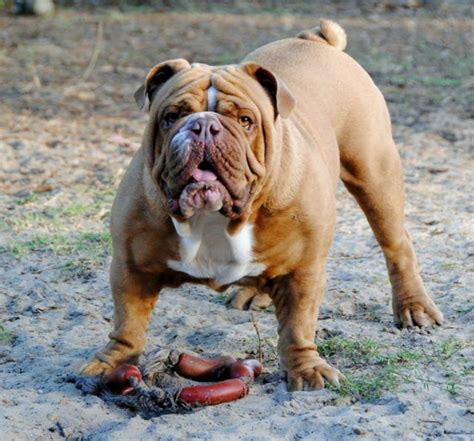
point(207, 127)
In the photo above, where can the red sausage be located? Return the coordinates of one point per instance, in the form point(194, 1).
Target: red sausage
point(245, 368)
point(210, 394)
point(119, 380)
point(200, 369)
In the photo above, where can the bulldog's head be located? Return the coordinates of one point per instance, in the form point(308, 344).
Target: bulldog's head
point(209, 139)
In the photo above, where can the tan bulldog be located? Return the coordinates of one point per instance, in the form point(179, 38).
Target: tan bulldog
point(235, 183)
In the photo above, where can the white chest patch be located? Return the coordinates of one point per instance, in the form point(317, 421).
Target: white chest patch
point(208, 251)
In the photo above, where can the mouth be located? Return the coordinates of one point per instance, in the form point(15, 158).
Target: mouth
point(205, 172)
point(203, 192)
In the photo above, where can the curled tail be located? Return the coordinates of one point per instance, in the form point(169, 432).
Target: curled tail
point(327, 32)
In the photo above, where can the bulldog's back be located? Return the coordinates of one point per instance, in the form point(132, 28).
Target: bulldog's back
point(328, 84)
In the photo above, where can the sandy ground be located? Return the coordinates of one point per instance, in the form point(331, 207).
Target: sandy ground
point(68, 132)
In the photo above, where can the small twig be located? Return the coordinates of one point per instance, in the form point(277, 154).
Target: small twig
point(96, 52)
point(257, 330)
point(36, 78)
point(51, 200)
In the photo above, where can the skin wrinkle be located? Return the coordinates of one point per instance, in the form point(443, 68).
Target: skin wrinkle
point(227, 87)
point(192, 81)
point(178, 162)
point(249, 153)
point(255, 94)
point(229, 160)
point(238, 99)
point(222, 158)
point(254, 159)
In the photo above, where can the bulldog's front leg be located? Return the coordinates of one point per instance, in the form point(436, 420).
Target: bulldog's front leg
point(134, 298)
point(297, 299)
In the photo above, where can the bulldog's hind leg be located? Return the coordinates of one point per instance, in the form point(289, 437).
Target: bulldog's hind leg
point(371, 170)
point(134, 299)
point(245, 297)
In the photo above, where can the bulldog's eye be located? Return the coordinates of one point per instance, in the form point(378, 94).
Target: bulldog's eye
point(245, 121)
point(170, 118)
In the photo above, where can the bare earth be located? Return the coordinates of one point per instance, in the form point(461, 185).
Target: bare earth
point(67, 133)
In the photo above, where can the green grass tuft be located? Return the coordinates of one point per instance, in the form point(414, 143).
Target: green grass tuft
point(372, 368)
point(94, 244)
point(6, 337)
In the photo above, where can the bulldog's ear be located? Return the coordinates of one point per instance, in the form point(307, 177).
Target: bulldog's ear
point(157, 76)
point(282, 99)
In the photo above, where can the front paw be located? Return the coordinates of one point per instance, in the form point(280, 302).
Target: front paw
point(310, 371)
point(416, 311)
point(96, 368)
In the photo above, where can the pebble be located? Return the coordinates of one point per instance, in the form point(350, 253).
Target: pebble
point(359, 431)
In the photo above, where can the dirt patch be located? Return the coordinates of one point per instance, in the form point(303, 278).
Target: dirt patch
point(68, 129)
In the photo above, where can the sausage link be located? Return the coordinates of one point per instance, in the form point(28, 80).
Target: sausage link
point(211, 394)
point(201, 369)
point(119, 380)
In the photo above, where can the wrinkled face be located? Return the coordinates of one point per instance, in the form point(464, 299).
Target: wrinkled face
point(207, 133)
